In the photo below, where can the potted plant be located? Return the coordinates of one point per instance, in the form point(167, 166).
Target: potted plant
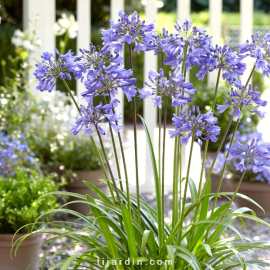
point(20, 189)
point(124, 231)
point(79, 162)
point(255, 185)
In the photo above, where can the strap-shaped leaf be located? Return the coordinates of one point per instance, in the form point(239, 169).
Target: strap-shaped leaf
point(157, 183)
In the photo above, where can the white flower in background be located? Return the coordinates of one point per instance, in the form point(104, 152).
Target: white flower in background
point(25, 40)
point(66, 24)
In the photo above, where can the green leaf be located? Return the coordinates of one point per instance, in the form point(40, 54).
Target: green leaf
point(130, 233)
point(193, 190)
point(106, 233)
point(157, 183)
point(69, 261)
point(208, 249)
point(144, 240)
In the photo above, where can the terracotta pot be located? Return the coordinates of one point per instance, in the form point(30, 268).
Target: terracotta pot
point(77, 186)
point(26, 254)
point(215, 177)
point(259, 192)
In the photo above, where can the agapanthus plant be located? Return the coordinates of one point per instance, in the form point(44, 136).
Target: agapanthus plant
point(15, 153)
point(250, 101)
point(174, 87)
point(124, 228)
point(50, 69)
point(248, 151)
point(103, 74)
point(259, 50)
point(192, 121)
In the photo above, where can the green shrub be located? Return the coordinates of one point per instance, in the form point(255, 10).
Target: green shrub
point(19, 199)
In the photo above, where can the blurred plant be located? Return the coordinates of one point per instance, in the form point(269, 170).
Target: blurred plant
point(254, 174)
point(24, 208)
point(52, 143)
point(15, 153)
point(76, 155)
point(66, 25)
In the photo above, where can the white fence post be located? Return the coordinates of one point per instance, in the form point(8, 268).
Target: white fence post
point(84, 33)
point(116, 6)
point(183, 10)
point(150, 113)
point(215, 9)
point(45, 10)
point(246, 30)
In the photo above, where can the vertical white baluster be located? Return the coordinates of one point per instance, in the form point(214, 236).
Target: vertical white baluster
point(84, 33)
point(116, 6)
point(215, 7)
point(45, 10)
point(246, 30)
point(183, 10)
point(150, 113)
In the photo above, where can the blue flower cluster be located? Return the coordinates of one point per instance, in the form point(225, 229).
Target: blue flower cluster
point(14, 153)
point(246, 147)
point(259, 51)
point(174, 87)
point(251, 101)
point(192, 121)
point(257, 154)
point(50, 69)
point(103, 74)
point(128, 29)
point(92, 116)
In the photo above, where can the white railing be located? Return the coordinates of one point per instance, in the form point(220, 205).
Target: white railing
point(46, 11)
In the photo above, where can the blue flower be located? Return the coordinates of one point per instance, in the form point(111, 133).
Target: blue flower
point(155, 42)
point(91, 116)
point(192, 121)
point(128, 29)
point(14, 153)
point(250, 101)
point(258, 50)
point(50, 69)
point(194, 39)
point(103, 74)
point(173, 86)
point(221, 57)
point(256, 153)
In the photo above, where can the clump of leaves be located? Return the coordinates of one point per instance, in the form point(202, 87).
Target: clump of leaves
point(19, 199)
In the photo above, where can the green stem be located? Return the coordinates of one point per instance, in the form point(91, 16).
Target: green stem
point(103, 168)
point(232, 199)
point(116, 158)
point(115, 154)
point(159, 130)
point(206, 145)
point(226, 132)
point(186, 185)
point(177, 164)
point(72, 97)
point(125, 169)
point(93, 141)
point(225, 164)
point(108, 165)
point(163, 167)
point(135, 145)
point(159, 143)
